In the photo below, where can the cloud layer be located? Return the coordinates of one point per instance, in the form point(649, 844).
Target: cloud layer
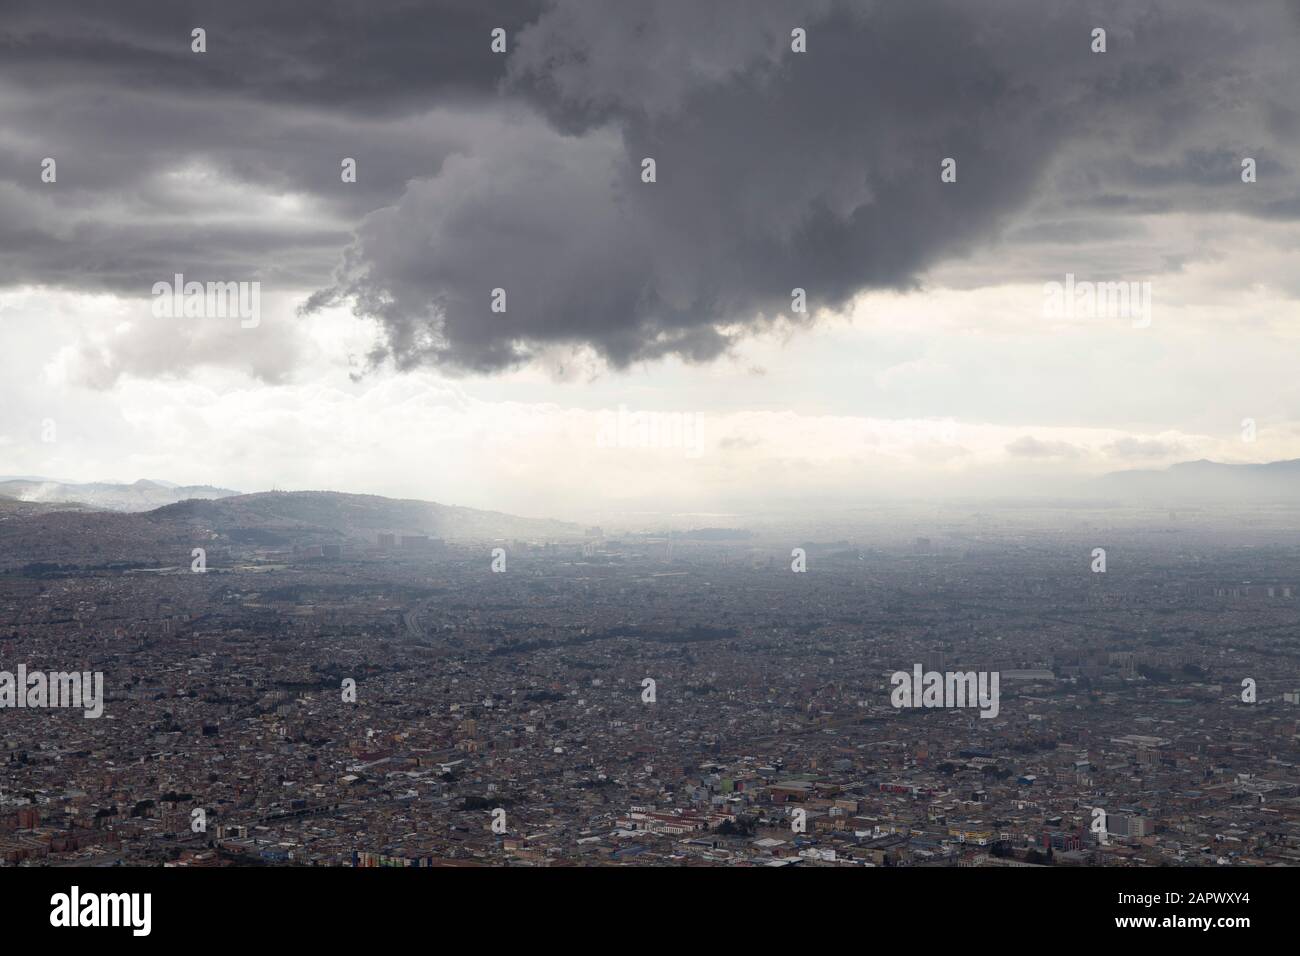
point(775, 169)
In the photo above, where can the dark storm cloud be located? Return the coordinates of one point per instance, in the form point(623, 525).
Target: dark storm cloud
point(346, 55)
point(113, 92)
point(149, 184)
point(779, 170)
point(775, 170)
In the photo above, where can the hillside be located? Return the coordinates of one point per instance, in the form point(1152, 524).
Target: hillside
point(337, 515)
point(165, 535)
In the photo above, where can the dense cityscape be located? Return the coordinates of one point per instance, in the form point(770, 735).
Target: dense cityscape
point(706, 697)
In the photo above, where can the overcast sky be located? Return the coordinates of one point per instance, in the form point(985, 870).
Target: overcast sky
point(928, 360)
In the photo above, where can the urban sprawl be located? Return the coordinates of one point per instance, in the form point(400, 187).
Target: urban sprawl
point(670, 699)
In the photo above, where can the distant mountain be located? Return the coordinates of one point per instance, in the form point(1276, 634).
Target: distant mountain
point(334, 515)
point(142, 495)
point(1208, 479)
point(275, 519)
point(14, 507)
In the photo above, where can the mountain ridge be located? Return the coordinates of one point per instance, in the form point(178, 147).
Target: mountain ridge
point(1204, 478)
point(274, 519)
point(141, 495)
